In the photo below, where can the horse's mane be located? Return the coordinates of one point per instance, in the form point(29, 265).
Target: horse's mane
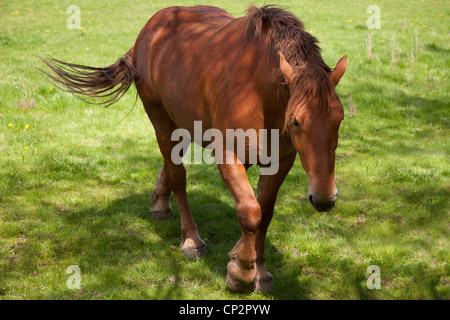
point(286, 33)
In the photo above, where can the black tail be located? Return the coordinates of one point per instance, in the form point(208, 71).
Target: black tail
point(110, 82)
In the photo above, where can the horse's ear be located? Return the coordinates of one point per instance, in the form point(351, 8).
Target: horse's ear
point(338, 71)
point(286, 69)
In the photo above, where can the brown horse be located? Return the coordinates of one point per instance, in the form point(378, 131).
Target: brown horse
point(261, 71)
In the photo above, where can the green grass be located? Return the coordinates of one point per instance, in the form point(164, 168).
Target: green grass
point(75, 185)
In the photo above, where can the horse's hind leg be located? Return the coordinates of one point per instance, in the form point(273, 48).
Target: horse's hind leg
point(191, 245)
point(160, 204)
point(173, 179)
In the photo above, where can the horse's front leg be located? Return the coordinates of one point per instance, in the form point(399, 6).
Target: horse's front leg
point(241, 268)
point(268, 187)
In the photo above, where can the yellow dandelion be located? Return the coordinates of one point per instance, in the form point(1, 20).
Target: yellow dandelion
point(10, 125)
point(349, 20)
point(25, 148)
point(406, 90)
point(27, 127)
point(441, 14)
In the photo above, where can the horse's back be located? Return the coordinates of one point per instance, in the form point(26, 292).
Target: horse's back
point(174, 34)
point(193, 58)
point(179, 28)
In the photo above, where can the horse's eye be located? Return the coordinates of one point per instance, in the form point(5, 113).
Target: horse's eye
point(295, 122)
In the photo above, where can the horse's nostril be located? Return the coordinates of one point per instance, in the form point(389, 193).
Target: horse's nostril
point(311, 200)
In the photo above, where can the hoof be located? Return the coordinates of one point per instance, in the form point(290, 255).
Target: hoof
point(263, 281)
point(162, 214)
point(239, 280)
point(193, 249)
point(192, 252)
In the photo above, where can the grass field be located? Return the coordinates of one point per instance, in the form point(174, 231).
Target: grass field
point(76, 179)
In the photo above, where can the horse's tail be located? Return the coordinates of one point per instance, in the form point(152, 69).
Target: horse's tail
point(109, 82)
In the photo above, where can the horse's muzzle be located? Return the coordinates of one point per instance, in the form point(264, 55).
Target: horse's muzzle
point(322, 205)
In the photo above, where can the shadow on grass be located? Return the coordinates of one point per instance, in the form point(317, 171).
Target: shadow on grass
point(119, 248)
point(112, 246)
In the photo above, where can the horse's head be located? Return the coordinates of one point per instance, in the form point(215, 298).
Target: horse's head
point(313, 116)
